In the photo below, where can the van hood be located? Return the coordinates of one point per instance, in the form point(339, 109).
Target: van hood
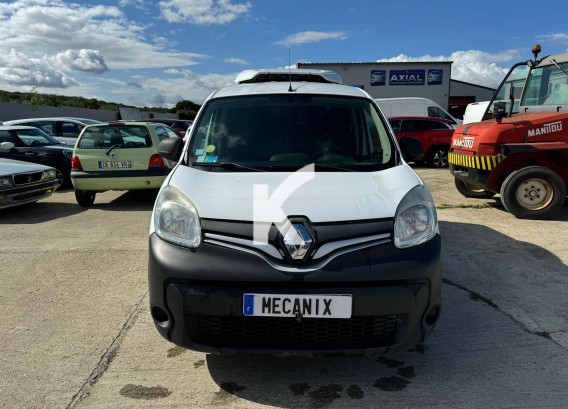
point(319, 196)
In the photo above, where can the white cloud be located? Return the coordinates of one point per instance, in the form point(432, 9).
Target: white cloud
point(559, 38)
point(17, 69)
point(237, 61)
point(74, 47)
point(312, 37)
point(203, 12)
point(185, 85)
point(139, 4)
point(473, 66)
point(81, 60)
point(100, 52)
point(47, 28)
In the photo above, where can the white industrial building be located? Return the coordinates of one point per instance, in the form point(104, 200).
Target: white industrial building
point(427, 79)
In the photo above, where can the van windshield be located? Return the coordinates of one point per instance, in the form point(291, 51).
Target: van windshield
point(287, 132)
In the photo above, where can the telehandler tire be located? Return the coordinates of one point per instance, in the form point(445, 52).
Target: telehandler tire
point(534, 192)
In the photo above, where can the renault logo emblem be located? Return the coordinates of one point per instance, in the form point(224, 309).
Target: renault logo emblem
point(298, 241)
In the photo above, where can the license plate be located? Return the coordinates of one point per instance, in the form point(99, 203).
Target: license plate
point(295, 305)
point(115, 164)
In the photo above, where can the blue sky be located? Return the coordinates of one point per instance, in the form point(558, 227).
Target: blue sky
point(156, 53)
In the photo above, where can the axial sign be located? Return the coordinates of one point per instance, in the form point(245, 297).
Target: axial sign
point(406, 77)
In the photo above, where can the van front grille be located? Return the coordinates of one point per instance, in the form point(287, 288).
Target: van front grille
point(288, 333)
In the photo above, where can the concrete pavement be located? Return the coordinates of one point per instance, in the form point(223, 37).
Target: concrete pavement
point(76, 331)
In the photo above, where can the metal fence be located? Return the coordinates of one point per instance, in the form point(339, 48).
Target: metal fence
point(10, 111)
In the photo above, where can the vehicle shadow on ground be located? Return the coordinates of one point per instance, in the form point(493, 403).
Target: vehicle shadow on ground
point(43, 211)
point(479, 345)
point(38, 212)
point(129, 200)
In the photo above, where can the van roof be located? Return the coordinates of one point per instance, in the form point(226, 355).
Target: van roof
point(404, 98)
point(284, 75)
point(264, 82)
point(272, 88)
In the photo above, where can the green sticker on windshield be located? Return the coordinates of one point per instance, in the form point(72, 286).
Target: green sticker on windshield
point(210, 149)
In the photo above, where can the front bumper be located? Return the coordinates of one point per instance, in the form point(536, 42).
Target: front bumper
point(196, 299)
point(474, 169)
point(23, 194)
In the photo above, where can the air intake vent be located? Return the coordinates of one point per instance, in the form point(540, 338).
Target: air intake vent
point(27, 178)
point(287, 333)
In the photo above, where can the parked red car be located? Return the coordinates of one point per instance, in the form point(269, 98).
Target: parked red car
point(435, 134)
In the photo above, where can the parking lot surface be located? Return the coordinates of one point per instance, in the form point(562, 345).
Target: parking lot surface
point(77, 333)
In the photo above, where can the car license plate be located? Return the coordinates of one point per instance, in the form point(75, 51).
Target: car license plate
point(115, 164)
point(295, 305)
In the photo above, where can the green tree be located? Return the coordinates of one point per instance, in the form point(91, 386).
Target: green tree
point(35, 98)
point(187, 109)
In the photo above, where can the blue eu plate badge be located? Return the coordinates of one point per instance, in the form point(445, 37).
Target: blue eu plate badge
point(248, 304)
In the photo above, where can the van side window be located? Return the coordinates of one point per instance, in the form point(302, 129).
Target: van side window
point(438, 113)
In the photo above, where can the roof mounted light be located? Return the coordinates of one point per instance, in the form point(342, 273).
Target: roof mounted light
point(536, 50)
point(284, 75)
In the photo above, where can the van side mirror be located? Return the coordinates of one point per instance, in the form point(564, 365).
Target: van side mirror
point(171, 148)
point(411, 148)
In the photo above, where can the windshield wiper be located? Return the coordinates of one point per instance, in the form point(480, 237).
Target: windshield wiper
point(558, 66)
point(226, 165)
point(335, 167)
point(118, 145)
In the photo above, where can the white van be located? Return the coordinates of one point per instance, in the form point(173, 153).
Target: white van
point(292, 224)
point(414, 106)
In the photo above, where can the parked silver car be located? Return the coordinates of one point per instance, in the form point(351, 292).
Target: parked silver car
point(24, 182)
point(63, 129)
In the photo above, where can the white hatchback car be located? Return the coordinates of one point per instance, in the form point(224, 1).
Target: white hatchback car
point(292, 224)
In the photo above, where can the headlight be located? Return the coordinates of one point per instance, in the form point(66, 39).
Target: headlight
point(6, 182)
point(176, 219)
point(415, 221)
point(48, 174)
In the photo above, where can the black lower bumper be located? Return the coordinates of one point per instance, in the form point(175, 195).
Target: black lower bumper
point(196, 300)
